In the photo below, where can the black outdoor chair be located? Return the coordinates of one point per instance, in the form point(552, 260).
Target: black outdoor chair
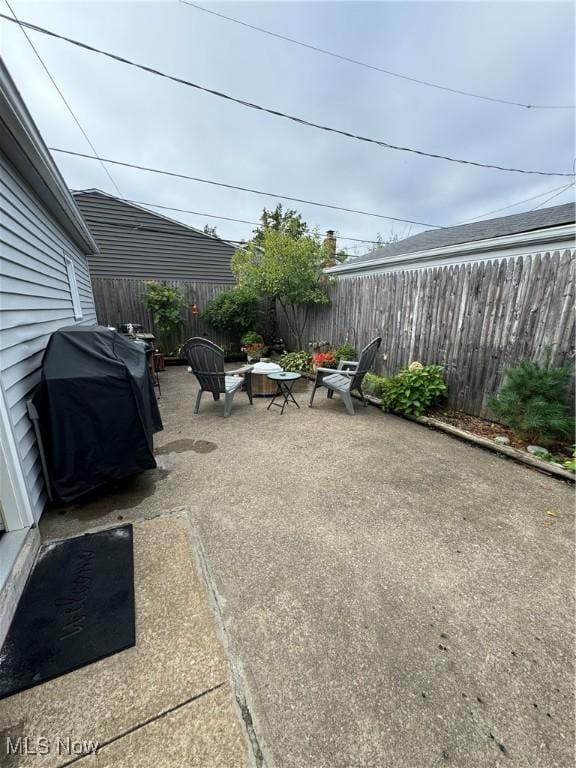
point(206, 361)
point(348, 376)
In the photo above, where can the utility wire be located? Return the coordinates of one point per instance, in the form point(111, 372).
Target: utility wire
point(223, 218)
point(513, 205)
point(242, 189)
point(163, 231)
point(350, 60)
point(553, 196)
point(54, 83)
point(285, 116)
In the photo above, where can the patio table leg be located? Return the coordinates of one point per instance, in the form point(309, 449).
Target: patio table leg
point(284, 390)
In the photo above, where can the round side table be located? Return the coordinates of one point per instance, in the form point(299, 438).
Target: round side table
point(285, 382)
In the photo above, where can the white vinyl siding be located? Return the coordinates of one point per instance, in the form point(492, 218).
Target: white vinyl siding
point(37, 297)
point(73, 286)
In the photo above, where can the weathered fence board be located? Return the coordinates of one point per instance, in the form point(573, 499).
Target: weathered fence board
point(120, 301)
point(473, 319)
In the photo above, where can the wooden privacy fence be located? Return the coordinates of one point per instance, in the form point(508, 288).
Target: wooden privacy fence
point(121, 301)
point(473, 319)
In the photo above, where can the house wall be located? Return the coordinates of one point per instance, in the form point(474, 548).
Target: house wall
point(473, 319)
point(35, 300)
point(135, 243)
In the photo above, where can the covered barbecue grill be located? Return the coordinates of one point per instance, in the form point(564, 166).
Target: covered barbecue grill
point(94, 410)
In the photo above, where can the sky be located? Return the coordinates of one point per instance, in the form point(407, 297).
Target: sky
point(519, 51)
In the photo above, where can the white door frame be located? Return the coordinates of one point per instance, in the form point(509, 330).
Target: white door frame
point(14, 500)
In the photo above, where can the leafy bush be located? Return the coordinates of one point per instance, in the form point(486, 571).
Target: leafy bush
point(165, 304)
point(375, 385)
point(414, 389)
point(235, 310)
point(251, 338)
point(534, 401)
point(570, 464)
point(344, 352)
point(300, 362)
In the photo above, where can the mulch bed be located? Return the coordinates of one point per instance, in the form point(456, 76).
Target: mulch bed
point(489, 429)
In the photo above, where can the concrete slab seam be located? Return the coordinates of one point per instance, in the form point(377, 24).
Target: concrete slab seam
point(261, 757)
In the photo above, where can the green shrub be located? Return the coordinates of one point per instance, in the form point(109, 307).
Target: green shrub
point(251, 338)
point(534, 401)
point(165, 304)
point(375, 385)
point(344, 352)
point(414, 389)
point(570, 464)
point(299, 362)
point(235, 310)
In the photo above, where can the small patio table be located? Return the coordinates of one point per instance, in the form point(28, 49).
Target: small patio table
point(285, 381)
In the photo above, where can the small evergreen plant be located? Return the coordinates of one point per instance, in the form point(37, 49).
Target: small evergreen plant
point(535, 401)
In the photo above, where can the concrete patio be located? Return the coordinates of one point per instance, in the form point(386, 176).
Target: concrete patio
point(383, 595)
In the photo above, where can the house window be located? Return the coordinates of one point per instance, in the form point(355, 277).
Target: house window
point(73, 285)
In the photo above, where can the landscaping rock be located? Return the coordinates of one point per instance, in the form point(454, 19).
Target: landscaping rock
point(536, 449)
point(502, 440)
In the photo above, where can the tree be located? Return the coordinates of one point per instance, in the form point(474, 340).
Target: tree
point(287, 221)
point(208, 230)
point(381, 242)
point(287, 269)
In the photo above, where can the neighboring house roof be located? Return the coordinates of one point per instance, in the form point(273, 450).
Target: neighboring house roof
point(137, 243)
point(23, 145)
point(480, 236)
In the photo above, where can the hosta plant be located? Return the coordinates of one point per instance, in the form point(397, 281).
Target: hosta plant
point(298, 362)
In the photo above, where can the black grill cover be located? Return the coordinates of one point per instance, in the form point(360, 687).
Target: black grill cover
point(97, 409)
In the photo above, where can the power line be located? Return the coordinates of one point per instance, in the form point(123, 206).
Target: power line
point(242, 189)
point(224, 218)
point(55, 84)
point(145, 228)
point(553, 196)
point(283, 115)
point(513, 205)
point(350, 60)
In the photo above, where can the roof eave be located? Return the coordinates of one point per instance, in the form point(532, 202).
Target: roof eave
point(533, 237)
point(22, 143)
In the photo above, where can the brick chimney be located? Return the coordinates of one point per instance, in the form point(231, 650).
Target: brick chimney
point(330, 243)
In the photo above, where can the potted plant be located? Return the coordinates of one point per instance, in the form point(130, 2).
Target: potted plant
point(253, 344)
point(323, 360)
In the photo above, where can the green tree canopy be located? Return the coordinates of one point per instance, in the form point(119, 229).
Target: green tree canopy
point(287, 269)
point(288, 221)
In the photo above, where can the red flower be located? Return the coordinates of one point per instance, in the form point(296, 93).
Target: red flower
point(323, 358)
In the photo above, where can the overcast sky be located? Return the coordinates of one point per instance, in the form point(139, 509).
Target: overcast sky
point(521, 51)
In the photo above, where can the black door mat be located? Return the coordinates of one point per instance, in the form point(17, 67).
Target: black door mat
point(77, 607)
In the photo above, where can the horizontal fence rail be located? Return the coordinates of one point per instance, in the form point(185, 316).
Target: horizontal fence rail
point(121, 301)
point(473, 319)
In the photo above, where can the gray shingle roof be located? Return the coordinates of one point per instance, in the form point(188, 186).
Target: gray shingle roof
point(480, 230)
point(137, 243)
